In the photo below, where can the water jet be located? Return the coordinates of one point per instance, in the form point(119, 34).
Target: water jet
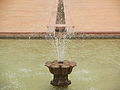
point(60, 68)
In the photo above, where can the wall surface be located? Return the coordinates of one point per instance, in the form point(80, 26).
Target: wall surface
point(35, 15)
point(24, 15)
point(95, 15)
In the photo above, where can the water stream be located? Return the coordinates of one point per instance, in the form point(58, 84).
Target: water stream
point(60, 31)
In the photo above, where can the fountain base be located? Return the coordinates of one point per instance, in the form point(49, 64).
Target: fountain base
point(60, 80)
point(60, 70)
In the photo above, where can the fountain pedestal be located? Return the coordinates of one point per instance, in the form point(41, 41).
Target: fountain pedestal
point(60, 70)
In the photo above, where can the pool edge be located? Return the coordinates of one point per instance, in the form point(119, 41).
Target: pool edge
point(45, 35)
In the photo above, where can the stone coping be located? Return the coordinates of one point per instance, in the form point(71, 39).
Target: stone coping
point(81, 32)
point(45, 35)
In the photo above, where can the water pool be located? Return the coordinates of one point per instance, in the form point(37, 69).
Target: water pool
point(22, 64)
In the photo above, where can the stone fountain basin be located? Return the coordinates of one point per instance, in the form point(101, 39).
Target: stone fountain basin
point(60, 70)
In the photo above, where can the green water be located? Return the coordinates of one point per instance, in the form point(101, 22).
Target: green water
point(22, 64)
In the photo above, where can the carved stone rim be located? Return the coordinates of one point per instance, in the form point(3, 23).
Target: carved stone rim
point(57, 64)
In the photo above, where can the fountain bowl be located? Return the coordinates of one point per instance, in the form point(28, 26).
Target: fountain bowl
point(60, 70)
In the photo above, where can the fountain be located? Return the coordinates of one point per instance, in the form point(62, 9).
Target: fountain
point(60, 68)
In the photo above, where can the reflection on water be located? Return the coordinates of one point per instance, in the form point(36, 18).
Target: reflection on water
point(60, 88)
point(22, 64)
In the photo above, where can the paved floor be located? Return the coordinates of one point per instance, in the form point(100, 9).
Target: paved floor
point(35, 15)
